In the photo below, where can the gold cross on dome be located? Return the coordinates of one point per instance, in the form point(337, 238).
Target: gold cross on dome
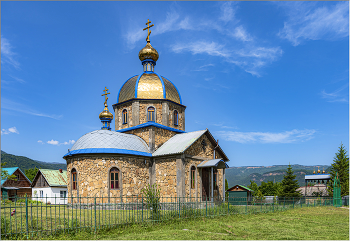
point(149, 32)
point(105, 94)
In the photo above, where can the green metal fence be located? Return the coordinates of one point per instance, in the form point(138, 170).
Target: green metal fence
point(28, 217)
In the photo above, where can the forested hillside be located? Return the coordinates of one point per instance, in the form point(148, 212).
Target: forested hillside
point(25, 163)
point(243, 175)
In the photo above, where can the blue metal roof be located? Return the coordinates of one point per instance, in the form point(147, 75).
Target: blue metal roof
point(107, 150)
point(151, 123)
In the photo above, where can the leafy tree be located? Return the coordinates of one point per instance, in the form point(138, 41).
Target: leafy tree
point(254, 187)
point(341, 166)
point(268, 188)
point(31, 172)
point(289, 184)
point(4, 173)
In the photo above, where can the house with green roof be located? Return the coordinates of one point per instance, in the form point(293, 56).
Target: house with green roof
point(50, 186)
point(20, 186)
point(239, 195)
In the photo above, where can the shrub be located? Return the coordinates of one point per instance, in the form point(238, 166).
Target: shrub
point(152, 195)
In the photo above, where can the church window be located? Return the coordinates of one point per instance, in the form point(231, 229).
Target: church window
point(193, 177)
point(125, 116)
point(74, 179)
point(114, 178)
point(150, 114)
point(176, 118)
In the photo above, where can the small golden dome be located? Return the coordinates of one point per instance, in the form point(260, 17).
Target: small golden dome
point(106, 114)
point(318, 171)
point(323, 171)
point(314, 172)
point(148, 52)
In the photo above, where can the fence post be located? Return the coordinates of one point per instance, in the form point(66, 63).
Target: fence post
point(228, 206)
point(142, 208)
point(27, 214)
point(273, 205)
point(206, 206)
point(179, 207)
point(293, 202)
point(95, 214)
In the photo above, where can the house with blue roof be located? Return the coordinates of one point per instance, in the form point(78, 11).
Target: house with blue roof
point(17, 187)
point(148, 146)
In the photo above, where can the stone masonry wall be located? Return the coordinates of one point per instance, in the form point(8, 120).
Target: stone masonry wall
point(162, 136)
point(189, 191)
point(143, 111)
point(118, 116)
point(166, 177)
point(181, 112)
point(196, 149)
point(93, 175)
point(143, 133)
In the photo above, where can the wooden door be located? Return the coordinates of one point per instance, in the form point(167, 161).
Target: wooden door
point(205, 184)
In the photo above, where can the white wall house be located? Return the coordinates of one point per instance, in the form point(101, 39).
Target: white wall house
point(50, 186)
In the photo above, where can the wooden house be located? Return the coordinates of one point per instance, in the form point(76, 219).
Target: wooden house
point(50, 186)
point(239, 195)
point(20, 186)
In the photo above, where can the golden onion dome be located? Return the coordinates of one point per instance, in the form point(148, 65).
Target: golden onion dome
point(314, 172)
point(106, 114)
point(318, 171)
point(149, 86)
point(148, 52)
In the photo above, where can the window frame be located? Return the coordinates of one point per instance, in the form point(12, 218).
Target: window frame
point(193, 177)
point(125, 116)
point(115, 181)
point(63, 194)
point(41, 193)
point(74, 180)
point(176, 118)
point(151, 112)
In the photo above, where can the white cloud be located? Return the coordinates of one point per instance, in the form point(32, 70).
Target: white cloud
point(241, 34)
point(40, 141)
point(227, 11)
point(204, 67)
point(9, 131)
point(308, 23)
point(57, 143)
point(52, 142)
point(202, 47)
point(268, 137)
point(14, 106)
point(7, 55)
point(336, 96)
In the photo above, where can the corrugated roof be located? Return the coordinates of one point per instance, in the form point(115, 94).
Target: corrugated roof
point(318, 177)
point(213, 163)
point(54, 177)
point(178, 143)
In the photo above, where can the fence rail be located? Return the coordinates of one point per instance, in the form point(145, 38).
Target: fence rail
point(27, 217)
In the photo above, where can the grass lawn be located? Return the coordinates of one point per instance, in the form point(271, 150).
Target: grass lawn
point(309, 223)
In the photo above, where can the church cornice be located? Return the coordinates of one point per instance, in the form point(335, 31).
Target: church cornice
point(150, 123)
point(137, 99)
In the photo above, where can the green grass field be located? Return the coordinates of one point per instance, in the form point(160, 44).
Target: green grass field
point(307, 223)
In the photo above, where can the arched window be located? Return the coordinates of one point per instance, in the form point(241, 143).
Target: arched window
point(150, 114)
point(176, 118)
point(125, 116)
point(193, 177)
point(114, 178)
point(74, 179)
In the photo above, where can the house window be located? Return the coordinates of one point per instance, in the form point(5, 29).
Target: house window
point(63, 194)
point(150, 114)
point(74, 179)
point(114, 177)
point(193, 177)
point(17, 177)
point(41, 193)
point(176, 118)
point(125, 116)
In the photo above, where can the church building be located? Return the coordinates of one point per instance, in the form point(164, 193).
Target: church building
point(149, 144)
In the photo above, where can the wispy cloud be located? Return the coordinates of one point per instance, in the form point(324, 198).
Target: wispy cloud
point(9, 131)
point(14, 106)
point(7, 55)
point(40, 141)
point(241, 33)
point(306, 22)
point(221, 125)
point(268, 137)
point(202, 47)
point(228, 11)
point(336, 96)
point(57, 143)
point(204, 67)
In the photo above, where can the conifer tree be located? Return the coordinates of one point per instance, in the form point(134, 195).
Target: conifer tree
point(341, 166)
point(289, 184)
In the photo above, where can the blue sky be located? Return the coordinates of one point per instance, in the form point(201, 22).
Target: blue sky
point(270, 80)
